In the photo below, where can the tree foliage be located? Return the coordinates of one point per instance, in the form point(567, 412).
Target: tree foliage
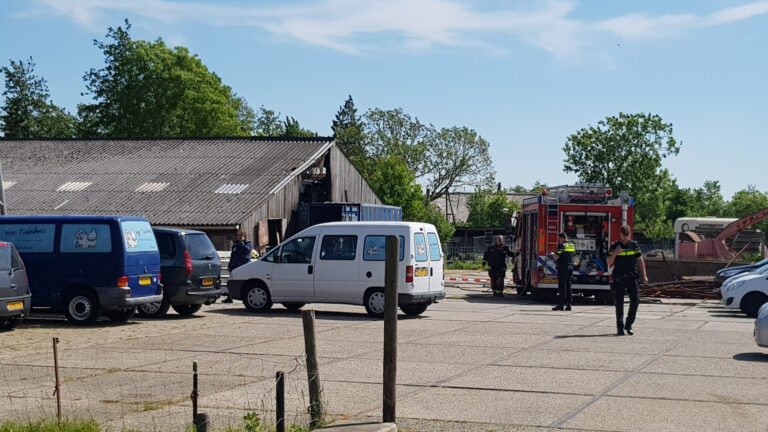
point(149, 90)
point(747, 201)
point(626, 153)
point(28, 111)
point(486, 209)
point(347, 129)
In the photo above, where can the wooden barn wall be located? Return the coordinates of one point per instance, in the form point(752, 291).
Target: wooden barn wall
point(344, 177)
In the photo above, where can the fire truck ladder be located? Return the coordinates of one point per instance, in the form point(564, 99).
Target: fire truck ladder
point(553, 217)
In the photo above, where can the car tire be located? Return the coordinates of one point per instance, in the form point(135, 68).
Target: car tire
point(293, 307)
point(374, 302)
point(752, 302)
point(414, 309)
point(256, 297)
point(187, 310)
point(10, 323)
point(156, 309)
point(82, 308)
point(120, 315)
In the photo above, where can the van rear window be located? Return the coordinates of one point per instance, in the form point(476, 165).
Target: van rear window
point(434, 247)
point(375, 248)
point(421, 247)
point(138, 236)
point(85, 238)
point(200, 247)
point(29, 237)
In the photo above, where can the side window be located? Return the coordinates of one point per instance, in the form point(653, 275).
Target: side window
point(298, 251)
point(420, 243)
point(166, 243)
point(338, 247)
point(85, 238)
point(16, 263)
point(271, 256)
point(374, 248)
point(434, 247)
point(29, 237)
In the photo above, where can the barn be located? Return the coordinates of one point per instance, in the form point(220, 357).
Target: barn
point(217, 185)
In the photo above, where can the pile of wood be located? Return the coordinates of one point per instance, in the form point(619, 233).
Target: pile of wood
point(688, 288)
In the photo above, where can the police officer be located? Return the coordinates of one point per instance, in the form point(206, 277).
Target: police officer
point(565, 252)
point(625, 257)
point(496, 256)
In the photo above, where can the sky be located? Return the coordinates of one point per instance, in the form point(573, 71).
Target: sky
point(524, 74)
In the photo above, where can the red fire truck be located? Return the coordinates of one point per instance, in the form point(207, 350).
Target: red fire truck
point(591, 218)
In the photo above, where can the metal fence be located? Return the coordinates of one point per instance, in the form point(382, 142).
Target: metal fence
point(651, 244)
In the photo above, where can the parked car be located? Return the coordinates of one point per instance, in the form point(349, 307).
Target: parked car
point(724, 274)
point(343, 262)
point(747, 292)
point(761, 327)
point(15, 298)
point(191, 272)
point(86, 265)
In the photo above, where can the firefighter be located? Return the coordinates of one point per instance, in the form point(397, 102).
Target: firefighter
point(496, 256)
point(565, 252)
point(625, 257)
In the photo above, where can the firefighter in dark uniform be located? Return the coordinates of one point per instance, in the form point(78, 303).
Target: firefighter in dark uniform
point(626, 257)
point(496, 257)
point(565, 252)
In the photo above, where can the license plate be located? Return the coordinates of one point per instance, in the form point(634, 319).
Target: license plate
point(549, 281)
point(145, 280)
point(15, 305)
point(422, 271)
point(207, 281)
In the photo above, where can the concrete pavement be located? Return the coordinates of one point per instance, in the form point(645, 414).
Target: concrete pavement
point(470, 363)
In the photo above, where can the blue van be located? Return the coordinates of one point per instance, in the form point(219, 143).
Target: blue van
point(86, 265)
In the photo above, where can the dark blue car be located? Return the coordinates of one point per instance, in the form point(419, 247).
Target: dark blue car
point(87, 265)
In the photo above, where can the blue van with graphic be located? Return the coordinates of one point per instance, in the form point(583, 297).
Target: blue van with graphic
point(87, 265)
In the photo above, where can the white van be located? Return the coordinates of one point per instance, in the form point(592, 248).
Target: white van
point(343, 262)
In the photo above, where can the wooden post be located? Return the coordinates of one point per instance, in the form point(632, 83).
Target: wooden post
point(280, 402)
point(316, 409)
point(58, 381)
point(194, 390)
point(390, 328)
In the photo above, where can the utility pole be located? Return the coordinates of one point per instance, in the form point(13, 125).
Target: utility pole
point(2, 192)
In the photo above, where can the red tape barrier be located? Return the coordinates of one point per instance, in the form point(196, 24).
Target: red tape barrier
point(472, 280)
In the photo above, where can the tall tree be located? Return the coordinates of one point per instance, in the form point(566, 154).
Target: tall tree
point(625, 152)
point(347, 129)
point(28, 111)
point(294, 130)
point(748, 201)
point(149, 90)
point(268, 123)
point(396, 133)
point(486, 209)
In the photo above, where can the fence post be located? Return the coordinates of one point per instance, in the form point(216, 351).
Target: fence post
point(58, 381)
point(316, 409)
point(390, 328)
point(280, 402)
point(201, 421)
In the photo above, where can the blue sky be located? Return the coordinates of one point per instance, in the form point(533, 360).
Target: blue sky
point(524, 74)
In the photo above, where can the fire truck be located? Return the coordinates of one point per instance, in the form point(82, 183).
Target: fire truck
point(591, 218)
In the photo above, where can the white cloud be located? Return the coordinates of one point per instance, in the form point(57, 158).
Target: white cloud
point(410, 25)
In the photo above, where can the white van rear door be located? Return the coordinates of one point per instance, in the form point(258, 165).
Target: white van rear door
point(421, 266)
point(435, 262)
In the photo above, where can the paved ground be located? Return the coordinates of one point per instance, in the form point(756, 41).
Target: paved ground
point(471, 363)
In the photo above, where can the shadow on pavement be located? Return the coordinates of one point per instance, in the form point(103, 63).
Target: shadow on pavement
point(319, 314)
point(584, 336)
point(752, 357)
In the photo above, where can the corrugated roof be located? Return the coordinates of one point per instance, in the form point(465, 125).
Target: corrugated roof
point(169, 181)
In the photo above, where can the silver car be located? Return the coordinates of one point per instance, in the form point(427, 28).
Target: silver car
point(15, 298)
point(761, 326)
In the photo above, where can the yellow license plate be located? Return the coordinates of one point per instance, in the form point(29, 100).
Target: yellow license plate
point(15, 305)
point(145, 280)
point(422, 271)
point(207, 281)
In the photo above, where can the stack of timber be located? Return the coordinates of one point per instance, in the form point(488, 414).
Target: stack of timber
point(688, 288)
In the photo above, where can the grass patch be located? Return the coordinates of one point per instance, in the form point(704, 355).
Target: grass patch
point(464, 265)
point(50, 426)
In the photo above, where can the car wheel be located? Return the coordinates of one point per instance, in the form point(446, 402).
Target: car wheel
point(293, 307)
point(10, 323)
point(374, 302)
point(156, 309)
point(187, 310)
point(256, 298)
point(82, 308)
point(414, 309)
point(751, 303)
point(120, 315)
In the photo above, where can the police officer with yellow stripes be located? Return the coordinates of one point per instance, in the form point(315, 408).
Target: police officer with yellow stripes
point(565, 252)
point(625, 257)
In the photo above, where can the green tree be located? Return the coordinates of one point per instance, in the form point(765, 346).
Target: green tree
point(294, 130)
point(347, 129)
point(626, 153)
point(395, 133)
point(748, 201)
point(268, 123)
point(149, 90)
point(486, 209)
point(28, 111)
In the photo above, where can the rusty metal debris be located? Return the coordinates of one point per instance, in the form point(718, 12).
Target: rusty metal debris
point(693, 288)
